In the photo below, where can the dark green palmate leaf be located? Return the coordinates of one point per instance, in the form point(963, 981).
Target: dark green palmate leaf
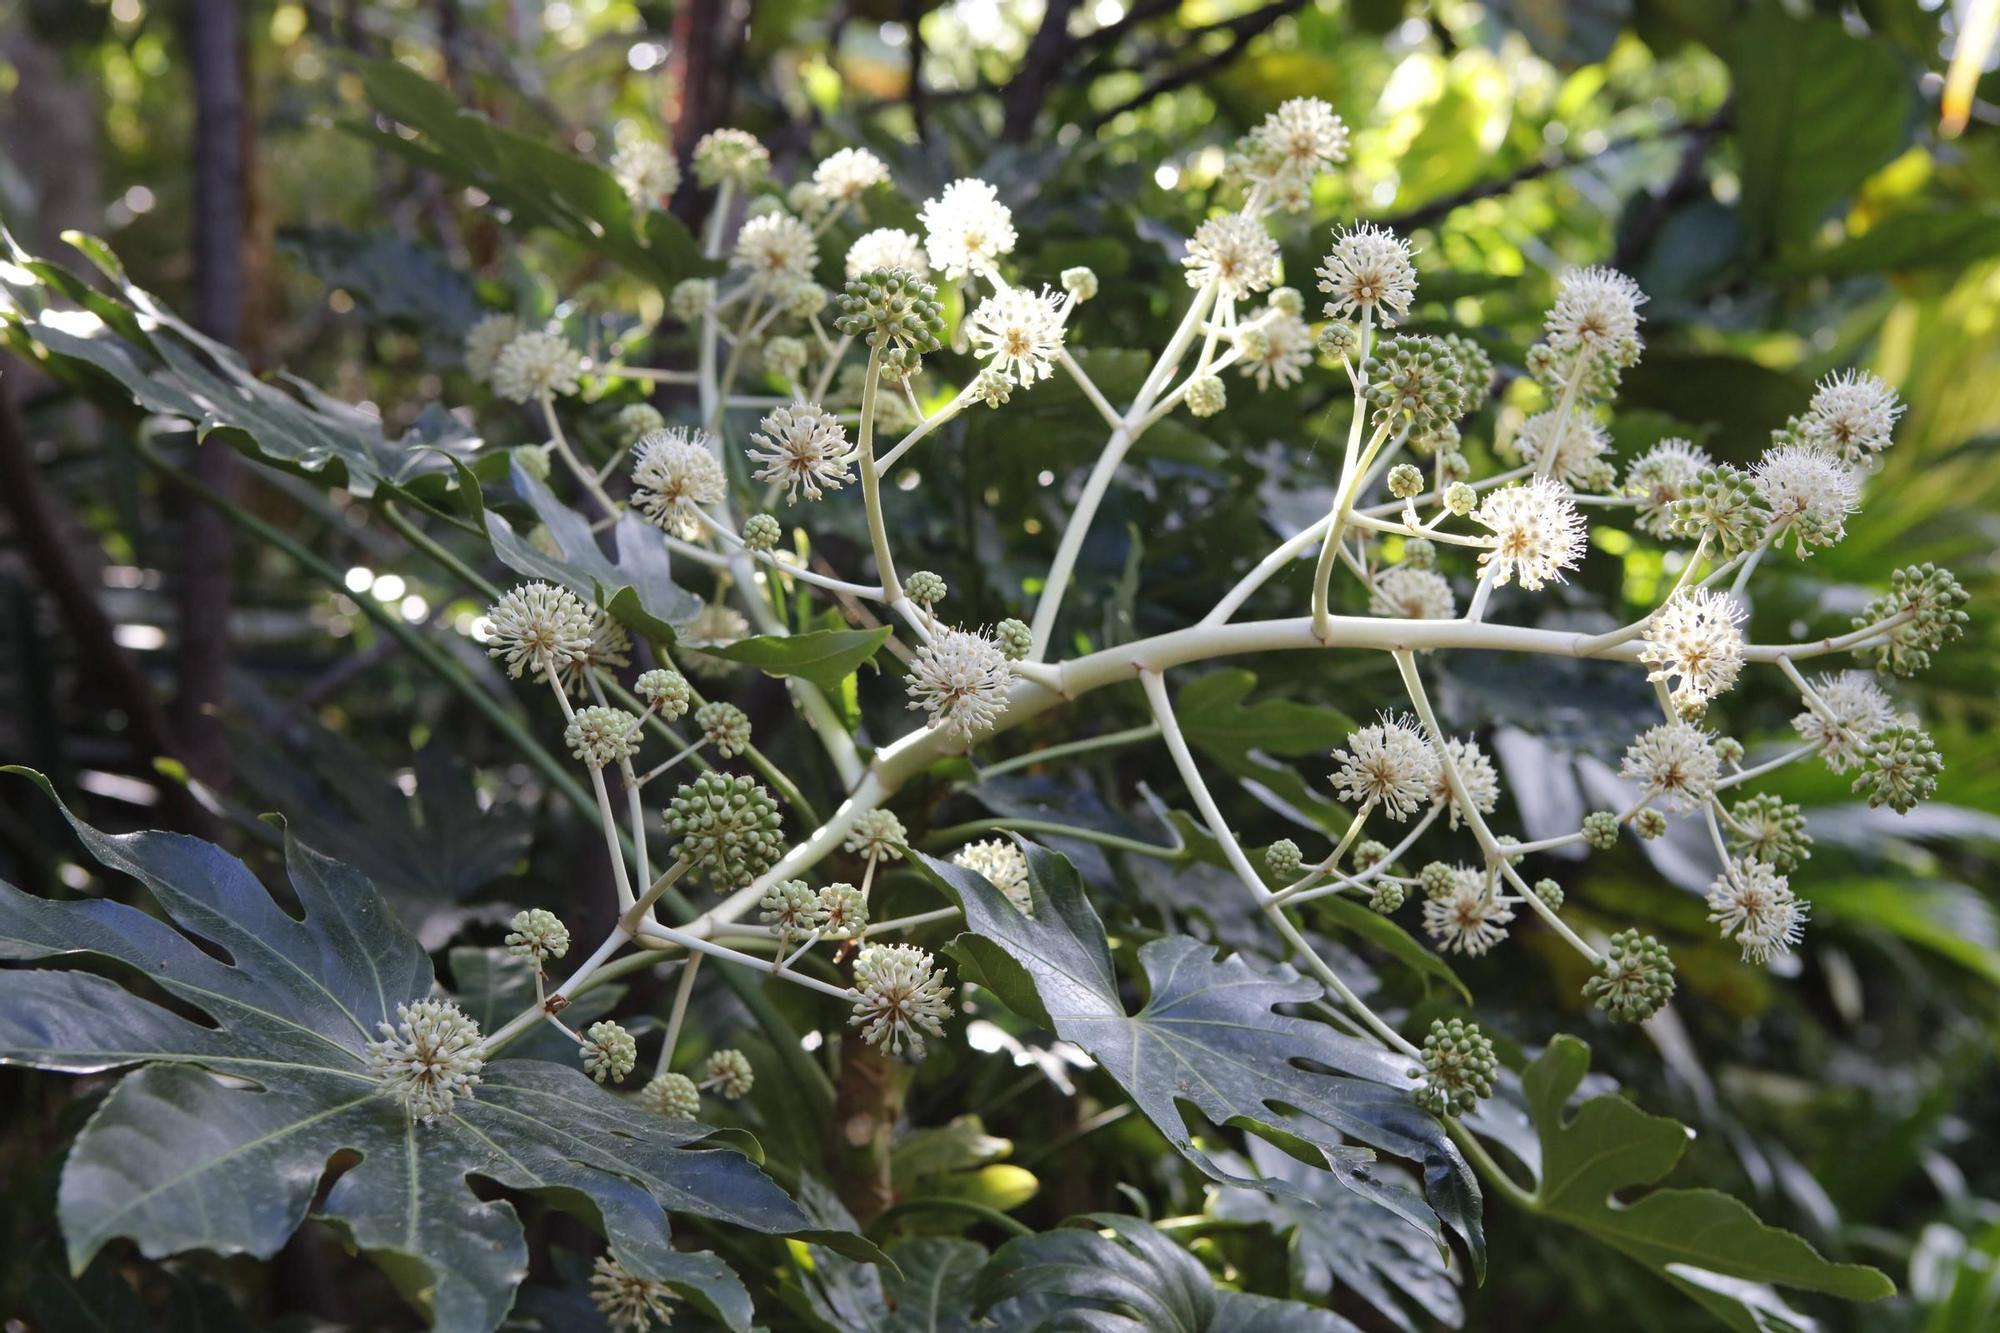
point(538, 185)
point(170, 367)
point(220, 1141)
point(1339, 1240)
point(1245, 738)
point(1210, 1036)
point(927, 1290)
point(1135, 1279)
point(1703, 1241)
point(637, 587)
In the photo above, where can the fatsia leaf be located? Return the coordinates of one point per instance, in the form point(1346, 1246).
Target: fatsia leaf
point(169, 367)
point(1243, 739)
point(637, 587)
point(1135, 1279)
point(539, 186)
point(1707, 1243)
point(1210, 1035)
point(223, 1137)
point(824, 657)
point(1339, 1240)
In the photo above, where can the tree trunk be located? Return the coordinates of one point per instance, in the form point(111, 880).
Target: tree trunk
point(216, 58)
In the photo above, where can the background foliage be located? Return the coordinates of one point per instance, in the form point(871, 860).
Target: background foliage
point(1770, 174)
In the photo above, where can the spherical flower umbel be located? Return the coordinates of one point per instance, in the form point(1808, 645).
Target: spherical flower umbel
point(1476, 774)
point(628, 1302)
point(673, 1096)
point(848, 174)
point(598, 735)
point(1853, 414)
point(1412, 594)
point(485, 341)
point(1675, 765)
point(538, 934)
point(1413, 380)
point(1458, 1069)
point(802, 445)
point(877, 835)
point(775, 250)
point(1299, 140)
point(730, 156)
point(1809, 491)
point(1755, 906)
point(647, 172)
point(1537, 533)
point(1661, 476)
point(666, 689)
point(1003, 865)
point(1235, 253)
point(1368, 271)
point(1389, 764)
point(967, 228)
point(1851, 710)
point(1694, 642)
point(674, 476)
point(960, 679)
point(537, 364)
point(1925, 603)
point(1286, 350)
point(729, 1072)
point(1021, 331)
point(430, 1058)
point(900, 995)
point(887, 248)
point(727, 827)
point(1206, 395)
point(1600, 829)
point(1469, 918)
point(609, 1053)
point(541, 628)
point(926, 588)
point(1635, 979)
point(1596, 313)
point(634, 421)
point(1575, 454)
point(691, 298)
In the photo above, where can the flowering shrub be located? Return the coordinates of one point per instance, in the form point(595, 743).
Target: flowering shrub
point(795, 411)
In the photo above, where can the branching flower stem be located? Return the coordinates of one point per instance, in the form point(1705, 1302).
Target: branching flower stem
point(1163, 713)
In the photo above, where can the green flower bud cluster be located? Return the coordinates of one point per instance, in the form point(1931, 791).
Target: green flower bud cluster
point(1284, 860)
point(609, 1052)
point(725, 726)
point(1635, 980)
point(1459, 1066)
point(1406, 482)
point(925, 588)
point(1206, 396)
point(673, 1096)
point(1551, 894)
point(1767, 828)
point(1722, 503)
point(1015, 638)
point(889, 309)
point(1650, 824)
point(728, 1071)
point(727, 827)
point(667, 690)
point(1600, 830)
point(761, 532)
point(1438, 879)
point(598, 735)
point(1415, 378)
point(1387, 896)
point(1899, 769)
point(1931, 598)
